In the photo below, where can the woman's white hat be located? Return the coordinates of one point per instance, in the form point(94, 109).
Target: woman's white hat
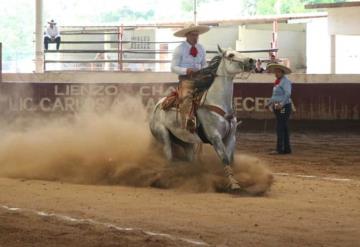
point(271, 67)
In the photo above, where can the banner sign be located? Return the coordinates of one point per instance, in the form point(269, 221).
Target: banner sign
point(311, 101)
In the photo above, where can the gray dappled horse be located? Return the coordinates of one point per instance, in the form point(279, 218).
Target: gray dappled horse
point(215, 116)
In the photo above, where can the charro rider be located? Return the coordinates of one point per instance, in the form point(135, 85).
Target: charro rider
point(188, 58)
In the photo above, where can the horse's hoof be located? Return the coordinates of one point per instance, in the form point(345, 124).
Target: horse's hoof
point(235, 187)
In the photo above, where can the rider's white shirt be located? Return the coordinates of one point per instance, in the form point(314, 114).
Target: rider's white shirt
point(182, 59)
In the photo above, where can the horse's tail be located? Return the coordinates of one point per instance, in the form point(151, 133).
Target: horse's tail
point(156, 108)
point(238, 123)
point(159, 103)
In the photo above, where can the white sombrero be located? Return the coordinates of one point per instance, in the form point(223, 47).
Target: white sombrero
point(271, 67)
point(52, 22)
point(191, 28)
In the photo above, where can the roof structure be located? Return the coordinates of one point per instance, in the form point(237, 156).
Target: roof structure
point(332, 5)
point(265, 19)
point(216, 22)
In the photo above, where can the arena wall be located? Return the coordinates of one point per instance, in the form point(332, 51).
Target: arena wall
point(315, 97)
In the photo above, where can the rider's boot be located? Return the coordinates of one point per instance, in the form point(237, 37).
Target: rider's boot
point(186, 92)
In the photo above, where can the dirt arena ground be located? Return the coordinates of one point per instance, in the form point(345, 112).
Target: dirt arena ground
point(305, 206)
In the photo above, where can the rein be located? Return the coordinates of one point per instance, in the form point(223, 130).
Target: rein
point(242, 74)
point(219, 111)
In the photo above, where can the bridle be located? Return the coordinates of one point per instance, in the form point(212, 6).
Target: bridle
point(243, 75)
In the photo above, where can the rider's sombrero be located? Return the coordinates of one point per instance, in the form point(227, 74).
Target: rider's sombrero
point(191, 28)
point(271, 67)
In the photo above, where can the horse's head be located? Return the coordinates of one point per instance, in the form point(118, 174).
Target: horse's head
point(234, 62)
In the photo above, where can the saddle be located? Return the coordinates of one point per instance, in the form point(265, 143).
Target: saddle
point(201, 80)
point(186, 106)
point(187, 97)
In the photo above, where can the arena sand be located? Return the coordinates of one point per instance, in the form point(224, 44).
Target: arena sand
point(115, 148)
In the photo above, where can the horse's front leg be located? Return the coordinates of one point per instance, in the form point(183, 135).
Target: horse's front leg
point(227, 157)
point(215, 128)
point(220, 148)
point(230, 141)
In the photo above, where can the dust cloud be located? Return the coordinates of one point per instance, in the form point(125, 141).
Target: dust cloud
point(115, 147)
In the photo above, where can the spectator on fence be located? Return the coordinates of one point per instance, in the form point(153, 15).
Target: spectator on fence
point(52, 35)
point(272, 59)
point(101, 56)
point(258, 68)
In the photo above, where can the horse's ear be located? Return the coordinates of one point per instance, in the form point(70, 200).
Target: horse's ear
point(219, 49)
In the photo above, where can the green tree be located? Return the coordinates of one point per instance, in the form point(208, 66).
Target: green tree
point(269, 7)
point(126, 14)
point(188, 5)
point(16, 29)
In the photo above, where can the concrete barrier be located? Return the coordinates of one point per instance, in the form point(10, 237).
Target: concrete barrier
point(326, 98)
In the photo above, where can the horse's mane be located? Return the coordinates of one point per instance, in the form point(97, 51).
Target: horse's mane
point(212, 67)
point(206, 76)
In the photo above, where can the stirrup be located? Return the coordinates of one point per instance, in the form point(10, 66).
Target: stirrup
point(190, 124)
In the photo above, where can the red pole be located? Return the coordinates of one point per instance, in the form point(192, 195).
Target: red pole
point(274, 42)
point(120, 47)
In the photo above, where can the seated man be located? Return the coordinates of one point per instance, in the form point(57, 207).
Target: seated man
point(258, 68)
point(101, 66)
point(188, 58)
point(272, 59)
point(52, 35)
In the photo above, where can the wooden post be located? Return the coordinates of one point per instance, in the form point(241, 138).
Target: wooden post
point(39, 29)
point(0, 62)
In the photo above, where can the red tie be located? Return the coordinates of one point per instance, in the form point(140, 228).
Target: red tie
point(277, 82)
point(193, 51)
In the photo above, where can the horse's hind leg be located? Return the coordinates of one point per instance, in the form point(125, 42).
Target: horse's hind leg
point(189, 151)
point(164, 135)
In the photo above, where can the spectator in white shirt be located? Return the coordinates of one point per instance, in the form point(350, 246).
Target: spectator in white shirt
point(52, 35)
point(188, 58)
